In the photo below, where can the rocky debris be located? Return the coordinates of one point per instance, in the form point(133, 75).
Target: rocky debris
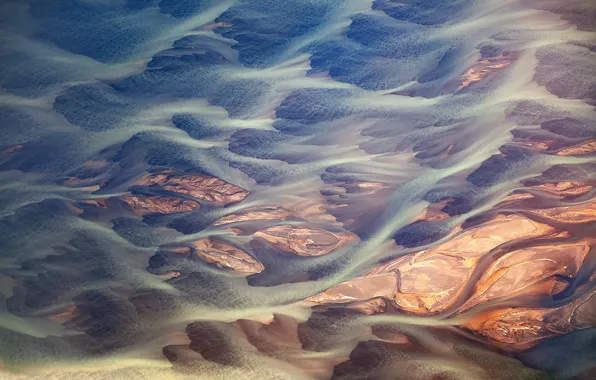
point(522, 199)
point(359, 289)
point(265, 213)
point(192, 189)
point(430, 284)
point(226, 256)
point(149, 205)
point(486, 67)
point(433, 212)
point(521, 328)
point(514, 198)
point(559, 148)
point(170, 260)
point(532, 271)
point(10, 150)
point(565, 189)
point(429, 281)
point(374, 306)
point(202, 187)
point(369, 307)
point(169, 275)
point(583, 148)
point(362, 188)
point(99, 203)
point(513, 325)
point(479, 240)
point(68, 314)
point(92, 174)
point(304, 241)
point(387, 334)
point(575, 213)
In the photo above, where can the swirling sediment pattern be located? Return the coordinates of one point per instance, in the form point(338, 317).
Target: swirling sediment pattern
point(298, 189)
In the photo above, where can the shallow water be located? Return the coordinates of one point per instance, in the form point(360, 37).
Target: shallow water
point(299, 189)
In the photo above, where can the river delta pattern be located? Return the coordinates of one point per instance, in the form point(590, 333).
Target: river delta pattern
point(297, 189)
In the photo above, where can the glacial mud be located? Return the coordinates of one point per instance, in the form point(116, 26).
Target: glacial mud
point(300, 189)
